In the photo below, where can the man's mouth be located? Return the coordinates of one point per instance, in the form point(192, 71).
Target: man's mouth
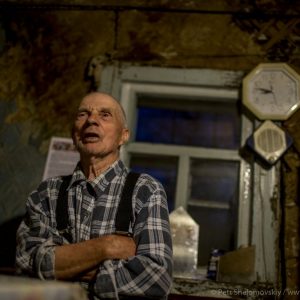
point(90, 137)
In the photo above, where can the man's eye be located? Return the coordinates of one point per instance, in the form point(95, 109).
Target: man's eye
point(81, 114)
point(105, 114)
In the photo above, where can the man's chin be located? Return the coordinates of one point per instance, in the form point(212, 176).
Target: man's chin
point(92, 150)
point(89, 149)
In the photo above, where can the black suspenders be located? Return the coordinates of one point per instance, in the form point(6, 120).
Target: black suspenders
point(62, 204)
point(61, 212)
point(124, 213)
point(123, 216)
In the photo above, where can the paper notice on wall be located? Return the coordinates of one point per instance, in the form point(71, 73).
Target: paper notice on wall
point(61, 159)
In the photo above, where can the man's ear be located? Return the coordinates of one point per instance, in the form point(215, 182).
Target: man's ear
point(125, 136)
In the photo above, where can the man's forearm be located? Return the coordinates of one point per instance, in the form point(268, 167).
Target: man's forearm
point(75, 260)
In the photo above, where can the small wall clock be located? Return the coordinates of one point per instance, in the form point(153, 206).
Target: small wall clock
point(272, 91)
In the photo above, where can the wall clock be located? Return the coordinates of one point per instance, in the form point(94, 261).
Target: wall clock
point(272, 91)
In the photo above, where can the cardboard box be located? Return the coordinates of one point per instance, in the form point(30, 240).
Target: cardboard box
point(237, 266)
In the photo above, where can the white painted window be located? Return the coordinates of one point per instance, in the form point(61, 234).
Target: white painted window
point(187, 130)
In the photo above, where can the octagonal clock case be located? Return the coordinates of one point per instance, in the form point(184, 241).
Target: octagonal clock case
point(272, 91)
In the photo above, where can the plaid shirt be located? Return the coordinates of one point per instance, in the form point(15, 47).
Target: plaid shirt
point(92, 208)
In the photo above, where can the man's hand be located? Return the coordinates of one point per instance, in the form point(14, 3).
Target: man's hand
point(89, 276)
point(74, 260)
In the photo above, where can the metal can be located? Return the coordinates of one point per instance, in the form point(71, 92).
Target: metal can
point(212, 268)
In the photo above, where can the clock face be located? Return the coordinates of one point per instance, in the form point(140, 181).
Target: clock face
point(271, 91)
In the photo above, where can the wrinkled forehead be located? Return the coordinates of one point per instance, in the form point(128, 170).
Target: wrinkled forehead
point(97, 101)
point(103, 102)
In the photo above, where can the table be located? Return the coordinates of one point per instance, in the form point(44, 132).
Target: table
point(21, 288)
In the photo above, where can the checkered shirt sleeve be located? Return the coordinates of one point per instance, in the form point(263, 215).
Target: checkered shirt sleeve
point(149, 273)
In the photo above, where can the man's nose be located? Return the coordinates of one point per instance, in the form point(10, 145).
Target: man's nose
point(92, 118)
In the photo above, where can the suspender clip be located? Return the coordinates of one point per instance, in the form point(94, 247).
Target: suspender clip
point(125, 233)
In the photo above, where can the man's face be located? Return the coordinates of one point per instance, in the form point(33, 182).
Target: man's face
point(98, 129)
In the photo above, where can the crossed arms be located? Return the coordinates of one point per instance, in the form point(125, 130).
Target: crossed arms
point(80, 261)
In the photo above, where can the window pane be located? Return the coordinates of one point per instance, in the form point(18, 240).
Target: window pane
point(160, 167)
point(216, 230)
point(213, 204)
point(212, 124)
point(214, 180)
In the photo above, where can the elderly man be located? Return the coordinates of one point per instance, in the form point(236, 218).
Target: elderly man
point(108, 264)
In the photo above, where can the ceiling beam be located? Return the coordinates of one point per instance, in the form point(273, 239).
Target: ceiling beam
point(246, 8)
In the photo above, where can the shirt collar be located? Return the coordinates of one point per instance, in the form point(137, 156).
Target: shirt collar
point(105, 178)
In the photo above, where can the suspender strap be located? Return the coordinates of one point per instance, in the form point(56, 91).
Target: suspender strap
point(62, 204)
point(124, 212)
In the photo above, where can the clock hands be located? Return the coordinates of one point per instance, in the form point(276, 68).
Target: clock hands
point(265, 91)
point(272, 89)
